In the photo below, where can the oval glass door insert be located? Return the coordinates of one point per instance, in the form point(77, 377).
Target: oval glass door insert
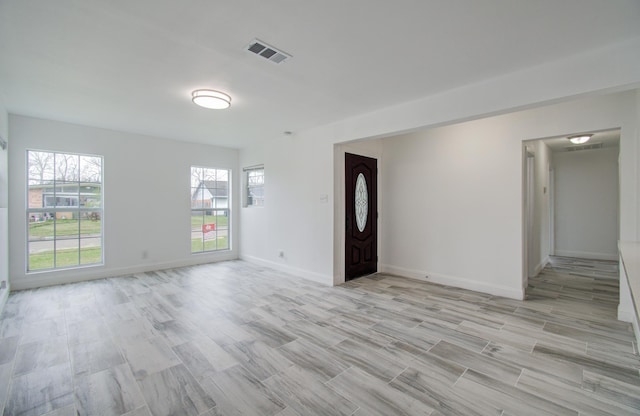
point(362, 202)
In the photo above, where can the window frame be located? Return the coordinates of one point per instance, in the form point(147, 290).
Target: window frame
point(226, 210)
point(56, 212)
point(247, 187)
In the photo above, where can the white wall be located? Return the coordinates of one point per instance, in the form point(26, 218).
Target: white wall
point(586, 204)
point(4, 196)
point(471, 231)
point(254, 218)
point(146, 197)
point(296, 217)
point(453, 195)
point(452, 207)
point(304, 162)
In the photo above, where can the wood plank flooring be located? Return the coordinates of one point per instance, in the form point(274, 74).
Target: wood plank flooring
point(236, 339)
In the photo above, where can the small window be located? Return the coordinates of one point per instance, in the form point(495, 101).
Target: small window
point(64, 210)
point(254, 179)
point(210, 222)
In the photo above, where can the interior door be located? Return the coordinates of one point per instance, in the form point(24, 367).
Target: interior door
point(361, 236)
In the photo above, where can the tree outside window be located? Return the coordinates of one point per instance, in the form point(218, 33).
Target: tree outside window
point(64, 210)
point(210, 222)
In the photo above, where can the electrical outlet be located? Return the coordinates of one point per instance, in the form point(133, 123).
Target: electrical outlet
point(145, 254)
point(3, 285)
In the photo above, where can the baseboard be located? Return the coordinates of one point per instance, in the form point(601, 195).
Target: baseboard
point(625, 315)
point(306, 274)
point(43, 279)
point(402, 271)
point(587, 255)
point(453, 281)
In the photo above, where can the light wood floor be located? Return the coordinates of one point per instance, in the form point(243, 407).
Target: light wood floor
point(235, 339)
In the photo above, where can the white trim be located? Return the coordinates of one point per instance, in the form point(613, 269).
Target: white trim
point(453, 281)
point(587, 255)
point(46, 279)
point(305, 274)
point(4, 257)
point(552, 212)
point(626, 315)
point(4, 296)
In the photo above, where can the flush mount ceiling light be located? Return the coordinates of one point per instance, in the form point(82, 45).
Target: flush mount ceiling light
point(212, 99)
point(583, 138)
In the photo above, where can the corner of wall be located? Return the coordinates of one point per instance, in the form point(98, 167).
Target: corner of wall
point(542, 265)
point(4, 194)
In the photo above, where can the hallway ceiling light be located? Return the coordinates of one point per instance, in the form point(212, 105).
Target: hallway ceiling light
point(583, 138)
point(212, 99)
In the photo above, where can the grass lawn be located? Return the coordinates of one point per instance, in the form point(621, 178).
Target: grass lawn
point(221, 243)
point(63, 227)
point(64, 258)
point(219, 220)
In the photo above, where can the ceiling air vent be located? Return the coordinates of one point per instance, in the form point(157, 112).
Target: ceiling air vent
point(584, 147)
point(269, 53)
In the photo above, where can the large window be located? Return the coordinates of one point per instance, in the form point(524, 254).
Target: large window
point(254, 180)
point(64, 210)
point(209, 209)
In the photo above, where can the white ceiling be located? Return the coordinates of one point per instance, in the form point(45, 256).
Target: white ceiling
point(609, 138)
point(131, 65)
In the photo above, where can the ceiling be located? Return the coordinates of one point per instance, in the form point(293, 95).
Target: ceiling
point(131, 65)
point(609, 138)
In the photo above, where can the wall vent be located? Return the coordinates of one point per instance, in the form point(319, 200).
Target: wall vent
point(267, 52)
point(584, 147)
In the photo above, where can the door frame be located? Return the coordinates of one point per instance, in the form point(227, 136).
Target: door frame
point(552, 211)
point(365, 240)
point(369, 148)
point(528, 207)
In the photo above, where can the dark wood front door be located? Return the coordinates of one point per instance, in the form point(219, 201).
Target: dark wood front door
point(361, 236)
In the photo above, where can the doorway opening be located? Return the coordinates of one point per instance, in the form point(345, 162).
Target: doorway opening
point(570, 199)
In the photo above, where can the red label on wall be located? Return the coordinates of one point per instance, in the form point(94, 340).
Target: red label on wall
point(208, 227)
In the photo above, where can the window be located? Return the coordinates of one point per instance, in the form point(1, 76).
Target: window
point(64, 210)
point(254, 179)
point(209, 209)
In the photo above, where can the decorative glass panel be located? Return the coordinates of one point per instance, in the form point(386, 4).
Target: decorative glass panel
point(362, 202)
